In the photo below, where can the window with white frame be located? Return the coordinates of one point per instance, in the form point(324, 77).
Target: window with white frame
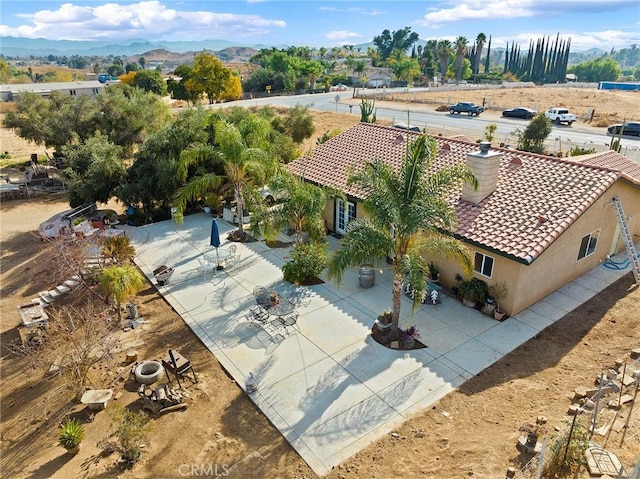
point(588, 244)
point(483, 264)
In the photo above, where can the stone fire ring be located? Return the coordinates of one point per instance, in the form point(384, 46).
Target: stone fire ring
point(148, 372)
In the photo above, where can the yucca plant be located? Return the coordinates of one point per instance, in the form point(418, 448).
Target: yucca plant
point(71, 434)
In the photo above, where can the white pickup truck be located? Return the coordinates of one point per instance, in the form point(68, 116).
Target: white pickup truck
point(560, 115)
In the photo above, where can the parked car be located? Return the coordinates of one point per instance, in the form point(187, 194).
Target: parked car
point(628, 128)
point(560, 115)
point(339, 87)
point(466, 107)
point(520, 112)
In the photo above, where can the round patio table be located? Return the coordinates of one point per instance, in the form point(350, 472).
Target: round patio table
point(217, 256)
point(283, 308)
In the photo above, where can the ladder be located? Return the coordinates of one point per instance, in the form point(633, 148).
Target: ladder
point(628, 239)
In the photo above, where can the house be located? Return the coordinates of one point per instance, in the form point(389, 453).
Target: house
point(535, 222)
point(373, 77)
point(89, 88)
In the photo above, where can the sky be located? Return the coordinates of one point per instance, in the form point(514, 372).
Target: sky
point(603, 24)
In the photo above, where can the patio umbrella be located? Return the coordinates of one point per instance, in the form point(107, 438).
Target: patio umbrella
point(215, 238)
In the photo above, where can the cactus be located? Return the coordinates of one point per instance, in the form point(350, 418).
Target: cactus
point(367, 111)
point(616, 138)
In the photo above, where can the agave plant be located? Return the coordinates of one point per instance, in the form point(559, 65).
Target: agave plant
point(71, 434)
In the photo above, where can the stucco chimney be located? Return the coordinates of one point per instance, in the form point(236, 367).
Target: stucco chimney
point(484, 164)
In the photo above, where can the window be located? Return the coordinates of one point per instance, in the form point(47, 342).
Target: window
point(344, 214)
point(588, 244)
point(483, 264)
point(73, 92)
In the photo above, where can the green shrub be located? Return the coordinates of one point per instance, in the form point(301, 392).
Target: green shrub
point(71, 433)
point(130, 430)
point(473, 289)
point(564, 461)
point(306, 262)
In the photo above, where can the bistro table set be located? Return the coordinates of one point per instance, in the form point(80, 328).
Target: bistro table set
point(272, 311)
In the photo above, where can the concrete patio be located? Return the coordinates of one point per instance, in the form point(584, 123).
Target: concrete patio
point(330, 389)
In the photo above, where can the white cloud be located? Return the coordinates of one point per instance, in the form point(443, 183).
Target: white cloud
point(360, 10)
point(478, 10)
point(147, 19)
point(340, 35)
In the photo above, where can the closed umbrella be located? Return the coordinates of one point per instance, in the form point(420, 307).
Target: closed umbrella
point(215, 239)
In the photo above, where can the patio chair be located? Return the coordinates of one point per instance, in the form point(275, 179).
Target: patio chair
point(232, 262)
point(259, 314)
point(205, 266)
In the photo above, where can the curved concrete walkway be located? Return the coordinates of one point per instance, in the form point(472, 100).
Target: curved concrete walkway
point(329, 388)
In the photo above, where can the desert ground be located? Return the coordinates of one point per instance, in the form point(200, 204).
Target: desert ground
point(472, 432)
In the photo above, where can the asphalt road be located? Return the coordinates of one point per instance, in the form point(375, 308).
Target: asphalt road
point(562, 137)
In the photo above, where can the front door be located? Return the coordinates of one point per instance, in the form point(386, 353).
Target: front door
point(345, 212)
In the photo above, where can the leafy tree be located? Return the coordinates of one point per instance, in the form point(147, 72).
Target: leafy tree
point(129, 114)
point(153, 175)
point(306, 262)
point(600, 69)
point(208, 76)
point(387, 42)
point(298, 123)
point(127, 78)
point(534, 135)
point(178, 89)
point(118, 249)
point(142, 62)
point(408, 218)
point(55, 121)
point(150, 81)
point(95, 169)
point(5, 72)
point(403, 67)
point(233, 88)
point(131, 67)
point(121, 283)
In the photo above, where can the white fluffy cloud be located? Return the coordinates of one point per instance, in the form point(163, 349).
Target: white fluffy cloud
point(341, 35)
point(147, 19)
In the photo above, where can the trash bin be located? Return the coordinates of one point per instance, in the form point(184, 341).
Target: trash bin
point(367, 275)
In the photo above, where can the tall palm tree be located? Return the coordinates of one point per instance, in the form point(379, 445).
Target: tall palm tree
point(480, 40)
point(241, 151)
point(445, 49)
point(121, 283)
point(461, 47)
point(408, 219)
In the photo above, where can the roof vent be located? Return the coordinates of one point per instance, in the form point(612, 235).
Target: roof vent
point(484, 146)
point(515, 163)
point(542, 219)
point(445, 147)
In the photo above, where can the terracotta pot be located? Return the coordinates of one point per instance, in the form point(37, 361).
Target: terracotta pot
point(498, 314)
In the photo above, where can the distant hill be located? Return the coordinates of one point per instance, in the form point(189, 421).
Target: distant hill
point(24, 47)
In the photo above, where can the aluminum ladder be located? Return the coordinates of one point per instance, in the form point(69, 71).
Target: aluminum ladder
point(628, 239)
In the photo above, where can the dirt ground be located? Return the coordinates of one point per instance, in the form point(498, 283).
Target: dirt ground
point(470, 433)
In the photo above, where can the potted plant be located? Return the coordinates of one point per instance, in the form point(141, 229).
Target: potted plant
point(385, 317)
point(434, 273)
point(472, 291)
point(71, 435)
point(408, 336)
point(498, 291)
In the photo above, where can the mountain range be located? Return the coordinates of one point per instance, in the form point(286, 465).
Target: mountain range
point(38, 47)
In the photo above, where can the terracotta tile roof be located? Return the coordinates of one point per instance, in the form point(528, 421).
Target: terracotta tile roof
point(537, 197)
point(614, 161)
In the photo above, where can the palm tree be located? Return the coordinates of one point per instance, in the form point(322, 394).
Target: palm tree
point(480, 40)
point(241, 151)
point(445, 49)
point(409, 220)
point(302, 209)
point(121, 282)
point(460, 46)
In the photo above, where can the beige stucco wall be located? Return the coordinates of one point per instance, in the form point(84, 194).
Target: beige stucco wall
point(559, 265)
point(556, 266)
